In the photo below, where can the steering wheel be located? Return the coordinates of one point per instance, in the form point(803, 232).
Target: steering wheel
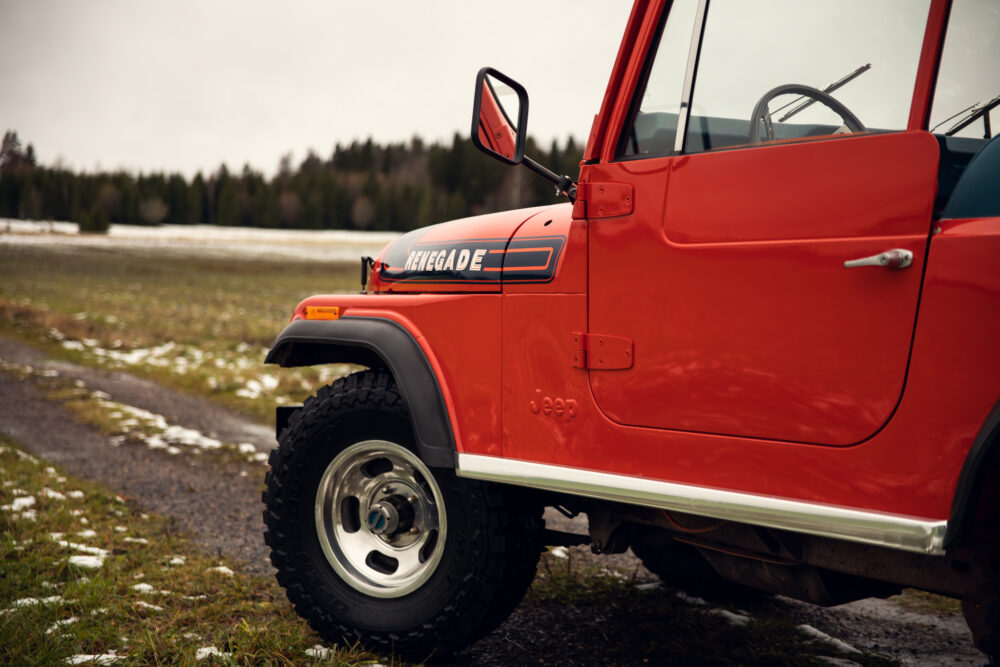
point(762, 114)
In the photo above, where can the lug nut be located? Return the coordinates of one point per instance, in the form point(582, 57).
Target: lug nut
point(415, 530)
point(387, 489)
point(412, 500)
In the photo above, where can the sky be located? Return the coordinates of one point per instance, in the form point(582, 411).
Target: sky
point(186, 85)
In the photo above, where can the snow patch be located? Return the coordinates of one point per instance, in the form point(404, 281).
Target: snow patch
point(221, 569)
point(208, 652)
point(818, 635)
point(319, 652)
point(83, 548)
point(203, 240)
point(732, 617)
point(20, 504)
point(61, 624)
point(87, 562)
point(690, 599)
point(32, 602)
point(97, 659)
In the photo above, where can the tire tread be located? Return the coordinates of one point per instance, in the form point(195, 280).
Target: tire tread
point(503, 560)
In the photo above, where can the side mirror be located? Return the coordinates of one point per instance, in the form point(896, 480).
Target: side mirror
point(498, 100)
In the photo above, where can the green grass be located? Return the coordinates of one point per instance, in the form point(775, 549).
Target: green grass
point(198, 325)
point(156, 599)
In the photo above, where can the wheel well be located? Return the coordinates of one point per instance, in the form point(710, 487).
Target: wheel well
point(380, 344)
point(977, 494)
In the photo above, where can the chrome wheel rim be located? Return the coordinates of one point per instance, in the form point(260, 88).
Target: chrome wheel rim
point(380, 518)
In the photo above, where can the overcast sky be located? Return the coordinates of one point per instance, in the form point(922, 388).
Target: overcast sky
point(186, 85)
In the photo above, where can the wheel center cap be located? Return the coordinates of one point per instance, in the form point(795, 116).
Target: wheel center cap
point(382, 518)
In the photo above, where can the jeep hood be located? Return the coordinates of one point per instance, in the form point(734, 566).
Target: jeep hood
point(473, 254)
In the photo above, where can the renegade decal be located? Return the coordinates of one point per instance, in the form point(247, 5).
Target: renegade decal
point(531, 260)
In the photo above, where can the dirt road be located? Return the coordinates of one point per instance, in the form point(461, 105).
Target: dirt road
point(221, 509)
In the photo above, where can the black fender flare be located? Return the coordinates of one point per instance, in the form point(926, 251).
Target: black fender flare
point(970, 481)
point(377, 343)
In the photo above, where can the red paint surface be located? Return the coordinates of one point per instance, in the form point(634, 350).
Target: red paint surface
point(730, 279)
point(460, 335)
point(927, 68)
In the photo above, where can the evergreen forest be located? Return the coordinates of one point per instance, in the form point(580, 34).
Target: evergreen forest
point(363, 186)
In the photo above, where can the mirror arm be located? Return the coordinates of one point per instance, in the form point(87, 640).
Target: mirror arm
point(564, 184)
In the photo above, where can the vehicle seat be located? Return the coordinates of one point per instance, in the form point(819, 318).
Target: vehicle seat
point(977, 191)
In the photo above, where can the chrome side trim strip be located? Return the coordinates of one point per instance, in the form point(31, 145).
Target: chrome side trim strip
point(886, 530)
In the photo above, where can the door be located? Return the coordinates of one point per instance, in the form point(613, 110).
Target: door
point(729, 274)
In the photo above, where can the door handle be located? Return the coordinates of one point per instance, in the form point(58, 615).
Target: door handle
point(891, 259)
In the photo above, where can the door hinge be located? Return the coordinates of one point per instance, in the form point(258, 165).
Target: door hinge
point(603, 200)
point(601, 351)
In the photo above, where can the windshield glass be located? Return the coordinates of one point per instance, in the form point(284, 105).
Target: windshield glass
point(862, 53)
point(969, 77)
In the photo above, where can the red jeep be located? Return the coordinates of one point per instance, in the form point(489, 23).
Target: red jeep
point(761, 342)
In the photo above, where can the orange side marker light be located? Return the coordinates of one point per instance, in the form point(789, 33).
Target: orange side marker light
point(322, 312)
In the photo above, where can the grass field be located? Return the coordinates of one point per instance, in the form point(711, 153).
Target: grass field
point(201, 325)
point(88, 578)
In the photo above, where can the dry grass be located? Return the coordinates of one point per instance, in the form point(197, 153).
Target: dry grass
point(152, 598)
point(195, 324)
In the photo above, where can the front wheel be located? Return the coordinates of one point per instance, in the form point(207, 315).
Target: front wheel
point(371, 545)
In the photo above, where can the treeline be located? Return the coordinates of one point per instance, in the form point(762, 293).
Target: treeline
point(364, 185)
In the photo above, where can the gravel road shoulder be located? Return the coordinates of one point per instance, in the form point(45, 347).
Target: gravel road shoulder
point(221, 512)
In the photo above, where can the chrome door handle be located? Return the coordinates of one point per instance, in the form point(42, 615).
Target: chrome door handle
point(890, 259)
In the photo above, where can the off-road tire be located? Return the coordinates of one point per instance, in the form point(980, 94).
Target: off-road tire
point(490, 553)
point(983, 617)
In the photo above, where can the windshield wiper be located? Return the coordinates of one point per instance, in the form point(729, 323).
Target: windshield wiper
point(972, 113)
point(829, 89)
